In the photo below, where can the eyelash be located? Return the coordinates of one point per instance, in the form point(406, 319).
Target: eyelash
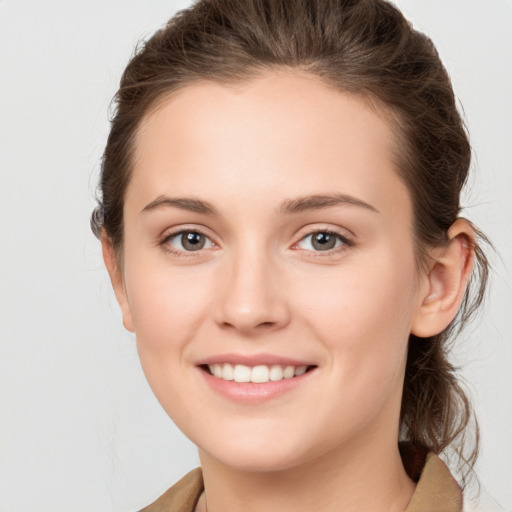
point(346, 242)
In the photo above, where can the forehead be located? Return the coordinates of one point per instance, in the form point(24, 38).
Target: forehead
point(281, 131)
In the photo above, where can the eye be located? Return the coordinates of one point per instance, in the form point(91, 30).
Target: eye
point(323, 241)
point(187, 241)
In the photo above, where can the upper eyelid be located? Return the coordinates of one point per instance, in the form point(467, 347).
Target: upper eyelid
point(343, 233)
point(326, 229)
point(170, 233)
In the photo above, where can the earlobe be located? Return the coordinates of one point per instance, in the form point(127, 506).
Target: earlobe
point(445, 282)
point(116, 278)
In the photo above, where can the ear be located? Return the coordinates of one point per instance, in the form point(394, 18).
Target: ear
point(445, 282)
point(117, 280)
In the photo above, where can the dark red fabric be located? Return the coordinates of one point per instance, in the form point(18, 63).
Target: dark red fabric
point(413, 459)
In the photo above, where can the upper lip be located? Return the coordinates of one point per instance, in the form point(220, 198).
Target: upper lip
point(253, 360)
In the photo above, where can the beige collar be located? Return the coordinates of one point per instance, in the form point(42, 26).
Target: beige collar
point(436, 491)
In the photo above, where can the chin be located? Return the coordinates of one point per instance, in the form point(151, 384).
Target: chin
point(259, 451)
point(256, 460)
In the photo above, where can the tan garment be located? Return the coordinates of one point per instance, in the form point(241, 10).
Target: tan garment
point(436, 491)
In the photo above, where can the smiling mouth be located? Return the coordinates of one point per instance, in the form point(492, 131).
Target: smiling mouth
point(258, 374)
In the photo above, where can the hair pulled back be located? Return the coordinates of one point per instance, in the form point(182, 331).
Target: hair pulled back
point(362, 47)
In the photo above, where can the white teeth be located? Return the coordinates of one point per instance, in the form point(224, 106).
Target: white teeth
point(217, 370)
point(257, 374)
point(300, 370)
point(276, 373)
point(289, 372)
point(228, 372)
point(260, 374)
point(242, 373)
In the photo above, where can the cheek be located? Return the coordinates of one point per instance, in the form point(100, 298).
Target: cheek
point(361, 297)
point(166, 305)
point(363, 317)
point(167, 309)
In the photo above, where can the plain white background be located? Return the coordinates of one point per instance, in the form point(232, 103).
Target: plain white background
point(79, 427)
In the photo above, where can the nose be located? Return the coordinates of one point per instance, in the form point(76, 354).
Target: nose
point(252, 298)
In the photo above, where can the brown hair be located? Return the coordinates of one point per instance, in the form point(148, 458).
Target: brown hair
point(363, 47)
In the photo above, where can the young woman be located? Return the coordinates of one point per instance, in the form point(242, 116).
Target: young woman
point(279, 216)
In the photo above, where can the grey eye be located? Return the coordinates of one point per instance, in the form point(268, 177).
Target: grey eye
point(321, 241)
point(189, 241)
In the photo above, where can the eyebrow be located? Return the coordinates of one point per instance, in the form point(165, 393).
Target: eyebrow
point(319, 201)
point(185, 203)
point(288, 207)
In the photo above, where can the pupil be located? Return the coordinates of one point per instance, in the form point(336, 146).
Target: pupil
point(323, 241)
point(192, 241)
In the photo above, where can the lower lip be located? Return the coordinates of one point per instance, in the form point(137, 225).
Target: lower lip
point(253, 393)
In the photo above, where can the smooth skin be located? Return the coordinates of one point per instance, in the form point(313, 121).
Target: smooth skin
point(261, 284)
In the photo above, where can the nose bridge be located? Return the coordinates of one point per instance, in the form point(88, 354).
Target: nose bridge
point(251, 297)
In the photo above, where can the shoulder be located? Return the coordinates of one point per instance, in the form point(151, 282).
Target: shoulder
point(182, 496)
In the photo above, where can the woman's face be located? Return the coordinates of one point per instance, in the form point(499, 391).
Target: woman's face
point(266, 230)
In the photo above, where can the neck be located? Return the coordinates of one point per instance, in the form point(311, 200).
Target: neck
point(368, 477)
